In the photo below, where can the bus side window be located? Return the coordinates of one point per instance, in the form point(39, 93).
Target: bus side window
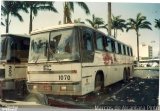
point(87, 45)
point(99, 41)
point(108, 46)
point(113, 45)
point(118, 48)
point(131, 52)
point(124, 49)
point(88, 42)
point(127, 49)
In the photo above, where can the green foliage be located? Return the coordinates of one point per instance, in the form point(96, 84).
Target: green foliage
point(136, 24)
point(139, 23)
point(12, 8)
point(69, 7)
point(35, 6)
point(157, 23)
point(117, 24)
point(96, 22)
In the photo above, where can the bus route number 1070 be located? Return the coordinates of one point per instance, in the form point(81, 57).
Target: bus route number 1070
point(64, 77)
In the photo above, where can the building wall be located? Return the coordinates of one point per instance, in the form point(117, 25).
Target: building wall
point(145, 51)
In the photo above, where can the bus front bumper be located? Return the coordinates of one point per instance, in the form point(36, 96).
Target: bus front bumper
point(55, 88)
point(7, 84)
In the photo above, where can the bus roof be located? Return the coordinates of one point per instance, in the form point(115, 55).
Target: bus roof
point(19, 35)
point(59, 27)
point(56, 27)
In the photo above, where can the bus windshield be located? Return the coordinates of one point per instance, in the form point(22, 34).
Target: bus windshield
point(3, 48)
point(14, 48)
point(55, 46)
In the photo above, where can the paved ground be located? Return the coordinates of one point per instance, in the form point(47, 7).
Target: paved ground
point(137, 94)
point(141, 92)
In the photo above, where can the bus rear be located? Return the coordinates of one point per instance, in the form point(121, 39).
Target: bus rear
point(13, 61)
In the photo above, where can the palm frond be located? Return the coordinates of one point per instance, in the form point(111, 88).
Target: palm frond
point(129, 28)
point(90, 22)
point(70, 6)
point(157, 23)
point(46, 8)
point(145, 26)
point(18, 16)
point(35, 11)
point(84, 7)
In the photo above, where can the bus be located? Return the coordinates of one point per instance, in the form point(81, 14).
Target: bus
point(148, 63)
point(75, 59)
point(14, 52)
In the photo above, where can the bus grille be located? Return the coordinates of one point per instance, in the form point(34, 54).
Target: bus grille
point(2, 73)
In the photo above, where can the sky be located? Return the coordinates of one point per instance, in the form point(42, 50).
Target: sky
point(124, 9)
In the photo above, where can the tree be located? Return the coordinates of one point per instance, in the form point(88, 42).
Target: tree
point(35, 6)
point(69, 7)
point(1, 20)
point(11, 8)
point(117, 24)
point(157, 23)
point(95, 22)
point(136, 24)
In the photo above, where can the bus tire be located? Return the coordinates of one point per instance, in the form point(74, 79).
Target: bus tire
point(125, 75)
point(38, 98)
point(128, 73)
point(99, 82)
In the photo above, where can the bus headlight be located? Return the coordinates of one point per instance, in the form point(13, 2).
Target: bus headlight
point(63, 88)
point(34, 87)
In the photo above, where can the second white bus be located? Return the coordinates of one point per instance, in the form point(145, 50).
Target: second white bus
point(14, 52)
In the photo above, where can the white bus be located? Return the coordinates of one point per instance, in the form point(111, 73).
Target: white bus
point(14, 52)
point(75, 59)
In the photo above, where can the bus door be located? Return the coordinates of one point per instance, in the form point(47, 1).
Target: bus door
point(87, 54)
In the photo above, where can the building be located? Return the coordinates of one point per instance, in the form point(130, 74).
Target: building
point(145, 51)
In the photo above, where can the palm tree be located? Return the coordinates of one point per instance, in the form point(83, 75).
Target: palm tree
point(157, 23)
point(136, 24)
point(12, 8)
point(1, 20)
point(69, 7)
point(104, 26)
point(95, 22)
point(117, 24)
point(35, 6)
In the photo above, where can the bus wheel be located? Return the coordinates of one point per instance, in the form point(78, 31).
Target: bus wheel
point(38, 98)
point(128, 73)
point(98, 83)
point(125, 75)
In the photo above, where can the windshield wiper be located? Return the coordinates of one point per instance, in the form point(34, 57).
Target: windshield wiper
point(51, 52)
point(37, 58)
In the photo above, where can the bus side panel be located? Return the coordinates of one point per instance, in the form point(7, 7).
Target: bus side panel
point(88, 74)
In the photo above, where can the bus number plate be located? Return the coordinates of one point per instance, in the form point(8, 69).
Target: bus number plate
point(64, 77)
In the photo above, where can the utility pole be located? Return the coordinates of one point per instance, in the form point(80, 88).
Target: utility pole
point(109, 18)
